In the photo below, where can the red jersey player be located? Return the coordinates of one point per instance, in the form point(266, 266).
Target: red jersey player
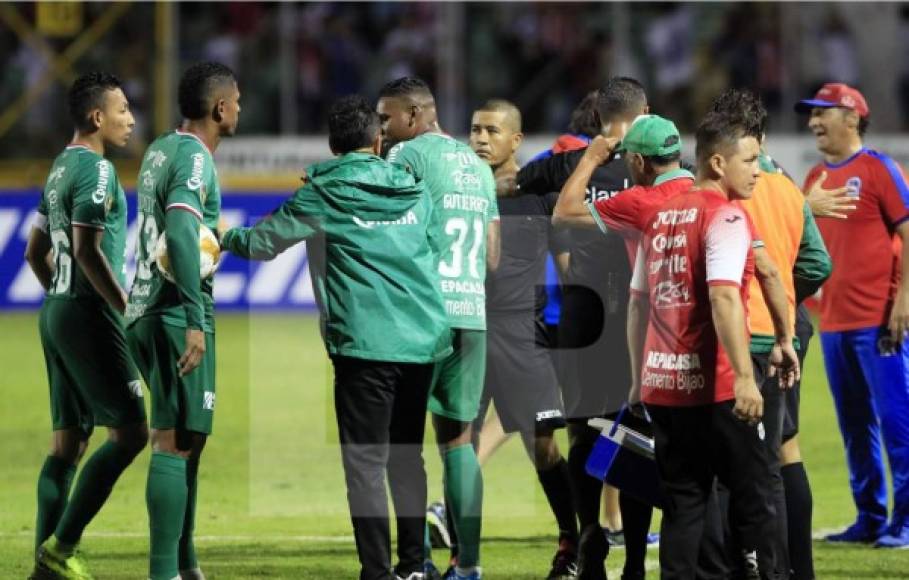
point(690, 358)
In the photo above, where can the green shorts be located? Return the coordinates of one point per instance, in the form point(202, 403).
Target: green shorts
point(92, 378)
point(186, 403)
point(458, 378)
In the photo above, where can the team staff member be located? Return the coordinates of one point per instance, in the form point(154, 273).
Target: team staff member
point(593, 357)
point(865, 312)
point(386, 333)
point(82, 222)
point(652, 150)
point(520, 377)
point(687, 336)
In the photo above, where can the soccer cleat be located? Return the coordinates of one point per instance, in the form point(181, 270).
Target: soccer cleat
point(592, 552)
point(439, 537)
point(411, 576)
point(50, 563)
point(859, 533)
point(564, 566)
point(192, 574)
point(897, 536)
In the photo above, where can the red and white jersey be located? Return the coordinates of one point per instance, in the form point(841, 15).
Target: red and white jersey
point(693, 241)
point(628, 212)
point(864, 250)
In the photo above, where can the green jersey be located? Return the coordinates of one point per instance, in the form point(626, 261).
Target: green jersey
point(464, 196)
point(83, 190)
point(177, 185)
point(373, 268)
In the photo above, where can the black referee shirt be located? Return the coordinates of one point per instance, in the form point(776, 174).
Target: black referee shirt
point(595, 258)
point(527, 237)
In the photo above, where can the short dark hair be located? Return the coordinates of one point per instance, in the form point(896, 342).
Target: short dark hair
point(863, 125)
point(408, 87)
point(352, 124)
point(86, 95)
point(511, 111)
point(584, 118)
point(746, 105)
point(718, 132)
point(619, 97)
point(664, 159)
point(197, 85)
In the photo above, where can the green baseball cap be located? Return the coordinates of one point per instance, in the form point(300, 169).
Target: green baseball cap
point(652, 136)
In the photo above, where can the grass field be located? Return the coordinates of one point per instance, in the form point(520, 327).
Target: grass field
point(272, 502)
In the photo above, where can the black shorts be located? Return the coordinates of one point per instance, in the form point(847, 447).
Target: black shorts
point(595, 372)
point(804, 332)
point(520, 378)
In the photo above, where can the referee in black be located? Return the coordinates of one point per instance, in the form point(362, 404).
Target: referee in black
point(520, 377)
point(594, 364)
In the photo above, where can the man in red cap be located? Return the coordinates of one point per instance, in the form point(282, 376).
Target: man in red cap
point(865, 312)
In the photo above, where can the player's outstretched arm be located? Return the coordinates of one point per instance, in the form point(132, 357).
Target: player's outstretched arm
point(90, 257)
point(271, 236)
point(39, 257)
point(571, 208)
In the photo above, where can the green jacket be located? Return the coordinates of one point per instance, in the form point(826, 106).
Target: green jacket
point(366, 224)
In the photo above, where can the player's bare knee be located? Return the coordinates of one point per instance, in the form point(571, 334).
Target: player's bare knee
point(790, 452)
point(166, 441)
point(131, 437)
point(451, 433)
point(69, 445)
point(543, 449)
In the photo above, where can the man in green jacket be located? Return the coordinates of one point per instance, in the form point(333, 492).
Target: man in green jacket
point(366, 223)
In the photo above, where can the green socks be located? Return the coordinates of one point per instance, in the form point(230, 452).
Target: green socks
point(187, 552)
point(95, 483)
point(464, 497)
point(53, 490)
point(166, 499)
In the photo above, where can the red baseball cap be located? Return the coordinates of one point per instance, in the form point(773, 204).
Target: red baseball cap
point(835, 95)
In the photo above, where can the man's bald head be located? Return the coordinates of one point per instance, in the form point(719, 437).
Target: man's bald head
point(512, 115)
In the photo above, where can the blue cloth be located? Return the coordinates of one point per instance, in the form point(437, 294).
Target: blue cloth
point(869, 381)
point(553, 310)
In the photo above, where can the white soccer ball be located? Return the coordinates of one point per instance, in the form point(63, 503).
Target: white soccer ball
point(209, 254)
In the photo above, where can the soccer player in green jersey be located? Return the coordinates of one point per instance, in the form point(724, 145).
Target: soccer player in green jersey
point(82, 222)
point(366, 223)
point(170, 325)
point(462, 188)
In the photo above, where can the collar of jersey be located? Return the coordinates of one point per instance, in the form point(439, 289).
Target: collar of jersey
point(674, 174)
point(851, 157)
point(194, 136)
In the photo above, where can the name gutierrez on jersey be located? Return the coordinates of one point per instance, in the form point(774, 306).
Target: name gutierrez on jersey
point(465, 202)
